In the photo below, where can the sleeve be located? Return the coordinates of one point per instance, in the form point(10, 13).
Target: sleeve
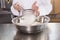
point(45, 7)
point(14, 12)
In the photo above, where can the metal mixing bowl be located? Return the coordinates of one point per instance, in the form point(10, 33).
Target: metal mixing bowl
point(32, 28)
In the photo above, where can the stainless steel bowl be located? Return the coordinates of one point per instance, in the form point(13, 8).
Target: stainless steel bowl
point(32, 28)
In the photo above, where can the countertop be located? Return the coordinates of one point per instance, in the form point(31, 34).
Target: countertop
point(9, 32)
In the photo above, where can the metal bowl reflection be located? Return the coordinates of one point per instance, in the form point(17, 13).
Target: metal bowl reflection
point(32, 28)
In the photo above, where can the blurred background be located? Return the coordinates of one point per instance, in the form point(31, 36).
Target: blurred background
point(5, 13)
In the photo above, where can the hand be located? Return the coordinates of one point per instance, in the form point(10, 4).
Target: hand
point(35, 8)
point(17, 6)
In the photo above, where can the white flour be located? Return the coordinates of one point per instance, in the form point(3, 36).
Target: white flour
point(27, 20)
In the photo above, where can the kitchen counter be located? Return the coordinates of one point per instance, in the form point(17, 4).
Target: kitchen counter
point(9, 32)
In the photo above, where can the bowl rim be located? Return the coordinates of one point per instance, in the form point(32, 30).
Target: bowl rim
point(30, 25)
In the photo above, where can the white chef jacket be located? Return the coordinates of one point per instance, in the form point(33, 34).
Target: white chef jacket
point(45, 6)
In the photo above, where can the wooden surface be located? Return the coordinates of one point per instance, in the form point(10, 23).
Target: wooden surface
point(56, 6)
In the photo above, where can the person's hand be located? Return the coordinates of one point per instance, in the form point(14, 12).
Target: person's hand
point(17, 6)
point(35, 8)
